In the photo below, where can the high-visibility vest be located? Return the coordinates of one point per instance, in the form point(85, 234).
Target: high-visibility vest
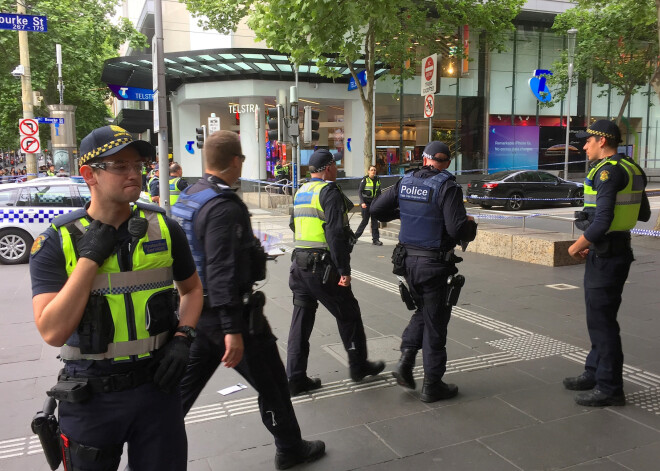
point(309, 217)
point(371, 187)
point(174, 190)
point(628, 200)
point(148, 191)
point(127, 289)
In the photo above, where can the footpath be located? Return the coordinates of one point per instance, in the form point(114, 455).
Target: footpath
point(518, 330)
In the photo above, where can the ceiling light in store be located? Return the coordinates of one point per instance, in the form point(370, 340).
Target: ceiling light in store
point(308, 101)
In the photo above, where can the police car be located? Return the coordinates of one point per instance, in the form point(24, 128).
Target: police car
point(27, 209)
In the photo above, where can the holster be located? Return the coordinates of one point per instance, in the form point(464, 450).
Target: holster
point(611, 246)
point(45, 426)
point(73, 390)
point(455, 283)
point(406, 296)
point(398, 260)
point(257, 322)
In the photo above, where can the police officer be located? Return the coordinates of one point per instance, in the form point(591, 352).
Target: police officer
point(429, 203)
point(232, 328)
point(281, 171)
point(103, 282)
point(153, 188)
point(321, 271)
point(613, 193)
point(368, 190)
point(177, 183)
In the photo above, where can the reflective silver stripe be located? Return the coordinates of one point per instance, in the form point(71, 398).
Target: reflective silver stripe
point(153, 232)
point(119, 349)
point(629, 198)
point(589, 199)
point(308, 213)
point(132, 281)
point(311, 244)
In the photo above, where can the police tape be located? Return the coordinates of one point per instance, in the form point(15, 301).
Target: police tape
point(472, 197)
point(645, 232)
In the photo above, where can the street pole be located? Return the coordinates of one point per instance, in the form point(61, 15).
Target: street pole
point(296, 148)
point(60, 82)
point(160, 110)
point(572, 33)
point(26, 87)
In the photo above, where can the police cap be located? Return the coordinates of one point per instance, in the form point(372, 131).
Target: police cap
point(436, 147)
point(108, 140)
point(321, 158)
point(602, 128)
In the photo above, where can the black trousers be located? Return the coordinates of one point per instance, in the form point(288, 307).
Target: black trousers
point(308, 288)
point(375, 233)
point(604, 278)
point(261, 366)
point(148, 419)
point(427, 329)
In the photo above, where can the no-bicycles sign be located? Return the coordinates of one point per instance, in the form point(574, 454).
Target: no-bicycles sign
point(429, 106)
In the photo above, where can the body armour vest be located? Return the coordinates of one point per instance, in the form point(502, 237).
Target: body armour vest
point(422, 221)
point(628, 200)
point(130, 310)
point(174, 190)
point(371, 187)
point(148, 191)
point(309, 217)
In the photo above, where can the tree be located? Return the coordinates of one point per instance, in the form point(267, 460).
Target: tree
point(338, 33)
point(88, 37)
point(617, 45)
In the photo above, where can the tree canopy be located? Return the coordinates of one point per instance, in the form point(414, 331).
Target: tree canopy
point(88, 37)
point(389, 32)
point(617, 45)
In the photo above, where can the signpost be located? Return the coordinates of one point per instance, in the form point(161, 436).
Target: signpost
point(18, 22)
point(28, 127)
point(214, 124)
point(54, 121)
point(30, 144)
point(429, 105)
point(429, 74)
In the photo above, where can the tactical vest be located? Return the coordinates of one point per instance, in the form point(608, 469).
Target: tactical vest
point(371, 188)
point(280, 172)
point(309, 217)
point(131, 306)
point(422, 221)
point(250, 260)
point(174, 190)
point(628, 200)
point(148, 191)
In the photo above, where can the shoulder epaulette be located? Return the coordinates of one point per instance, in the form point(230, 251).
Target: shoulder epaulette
point(149, 207)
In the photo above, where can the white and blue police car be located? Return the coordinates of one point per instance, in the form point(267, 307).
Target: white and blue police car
point(28, 208)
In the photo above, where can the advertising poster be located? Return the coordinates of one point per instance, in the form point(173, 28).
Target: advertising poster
point(513, 148)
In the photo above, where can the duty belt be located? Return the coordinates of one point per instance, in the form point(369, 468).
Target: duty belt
point(113, 383)
point(436, 254)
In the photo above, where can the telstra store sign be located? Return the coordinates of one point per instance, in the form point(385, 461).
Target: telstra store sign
point(539, 86)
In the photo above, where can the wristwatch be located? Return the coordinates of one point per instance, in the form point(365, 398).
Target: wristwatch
point(189, 332)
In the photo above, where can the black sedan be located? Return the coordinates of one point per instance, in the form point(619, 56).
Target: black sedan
point(515, 189)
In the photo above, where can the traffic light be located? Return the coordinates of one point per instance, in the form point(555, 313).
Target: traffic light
point(200, 136)
point(276, 126)
point(311, 125)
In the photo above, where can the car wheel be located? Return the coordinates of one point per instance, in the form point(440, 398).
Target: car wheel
point(15, 246)
point(578, 194)
point(486, 206)
point(515, 202)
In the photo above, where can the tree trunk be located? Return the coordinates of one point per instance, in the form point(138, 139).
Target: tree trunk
point(626, 99)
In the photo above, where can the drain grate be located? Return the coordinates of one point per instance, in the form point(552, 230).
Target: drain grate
point(531, 347)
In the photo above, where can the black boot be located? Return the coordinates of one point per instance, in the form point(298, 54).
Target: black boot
point(304, 384)
point(403, 370)
point(584, 382)
point(369, 368)
point(437, 391)
point(307, 451)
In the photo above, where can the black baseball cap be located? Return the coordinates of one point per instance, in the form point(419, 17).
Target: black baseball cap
point(321, 158)
point(108, 140)
point(436, 147)
point(602, 128)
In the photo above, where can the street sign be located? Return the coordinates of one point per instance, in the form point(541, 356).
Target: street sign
point(55, 121)
point(429, 74)
point(28, 127)
point(30, 144)
point(429, 106)
point(17, 22)
point(214, 125)
point(362, 77)
point(132, 93)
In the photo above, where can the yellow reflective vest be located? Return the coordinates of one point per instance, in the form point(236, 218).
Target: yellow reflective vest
point(628, 200)
point(371, 187)
point(128, 290)
point(174, 190)
point(309, 217)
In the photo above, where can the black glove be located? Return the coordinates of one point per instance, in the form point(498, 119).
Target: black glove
point(98, 242)
point(171, 363)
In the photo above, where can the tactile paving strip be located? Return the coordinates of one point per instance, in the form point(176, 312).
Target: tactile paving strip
point(532, 347)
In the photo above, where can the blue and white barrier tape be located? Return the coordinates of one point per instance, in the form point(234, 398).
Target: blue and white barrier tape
point(472, 197)
point(645, 232)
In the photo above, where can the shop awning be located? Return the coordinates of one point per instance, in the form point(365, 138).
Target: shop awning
point(213, 65)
